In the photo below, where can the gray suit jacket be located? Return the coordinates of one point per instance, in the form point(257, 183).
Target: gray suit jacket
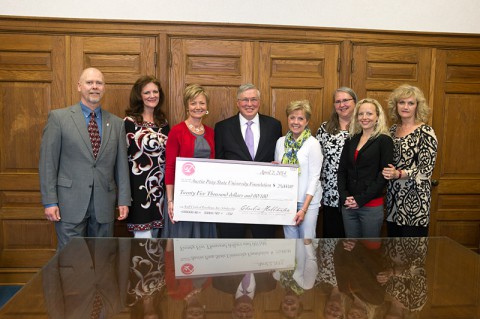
point(68, 170)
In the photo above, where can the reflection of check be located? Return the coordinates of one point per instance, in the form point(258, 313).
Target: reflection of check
point(202, 257)
point(235, 191)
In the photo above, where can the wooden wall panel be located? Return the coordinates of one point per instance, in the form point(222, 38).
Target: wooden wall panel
point(41, 60)
point(121, 59)
point(455, 119)
point(32, 73)
point(298, 71)
point(220, 66)
point(377, 70)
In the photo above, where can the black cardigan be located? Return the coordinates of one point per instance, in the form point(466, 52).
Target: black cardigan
point(363, 178)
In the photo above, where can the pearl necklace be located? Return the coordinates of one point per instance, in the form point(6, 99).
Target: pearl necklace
point(195, 129)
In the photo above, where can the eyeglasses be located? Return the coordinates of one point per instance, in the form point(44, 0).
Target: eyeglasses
point(246, 100)
point(338, 102)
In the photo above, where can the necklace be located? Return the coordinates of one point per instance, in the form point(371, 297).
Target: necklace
point(195, 129)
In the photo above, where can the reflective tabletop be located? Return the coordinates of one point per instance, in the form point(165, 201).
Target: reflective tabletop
point(254, 278)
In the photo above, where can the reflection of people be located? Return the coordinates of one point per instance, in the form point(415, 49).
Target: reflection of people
point(360, 180)
point(404, 275)
point(301, 278)
point(193, 309)
point(187, 289)
point(189, 138)
point(184, 288)
point(291, 306)
point(89, 277)
point(332, 135)
point(301, 148)
point(147, 131)
point(326, 279)
point(146, 278)
point(415, 151)
point(357, 264)
point(81, 181)
point(230, 144)
point(244, 288)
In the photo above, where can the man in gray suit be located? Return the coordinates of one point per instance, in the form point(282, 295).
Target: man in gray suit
point(79, 188)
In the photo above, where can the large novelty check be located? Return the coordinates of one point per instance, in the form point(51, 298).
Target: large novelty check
point(235, 192)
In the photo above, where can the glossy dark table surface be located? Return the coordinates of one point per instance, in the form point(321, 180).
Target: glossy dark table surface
point(254, 278)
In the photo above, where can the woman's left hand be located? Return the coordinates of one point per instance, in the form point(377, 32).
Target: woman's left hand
point(389, 172)
point(299, 217)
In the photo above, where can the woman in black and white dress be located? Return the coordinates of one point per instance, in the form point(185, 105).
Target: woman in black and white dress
point(415, 152)
point(332, 135)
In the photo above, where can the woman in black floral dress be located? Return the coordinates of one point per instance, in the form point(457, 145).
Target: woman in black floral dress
point(147, 131)
point(332, 135)
point(415, 152)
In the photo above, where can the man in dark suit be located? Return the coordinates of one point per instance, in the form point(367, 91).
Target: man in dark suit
point(230, 144)
point(79, 181)
point(243, 305)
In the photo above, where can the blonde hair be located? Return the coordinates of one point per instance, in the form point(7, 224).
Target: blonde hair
point(379, 128)
point(302, 105)
point(404, 91)
point(192, 91)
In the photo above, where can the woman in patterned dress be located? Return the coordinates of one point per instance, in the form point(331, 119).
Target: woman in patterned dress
point(147, 131)
point(332, 135)
point(415, 152)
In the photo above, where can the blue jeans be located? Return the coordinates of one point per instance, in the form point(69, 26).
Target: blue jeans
point(307, 229)
point(364, 222)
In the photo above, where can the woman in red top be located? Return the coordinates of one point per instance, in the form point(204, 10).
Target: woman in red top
point(361, 184)
point(189, 138)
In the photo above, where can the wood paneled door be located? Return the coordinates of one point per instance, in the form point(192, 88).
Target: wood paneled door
point(282, 72)
point(298, 71)
point(39, 73)
point(31, 71)
point(121, 59)
point(377, 70)
point(456, 122)
point(220, 66)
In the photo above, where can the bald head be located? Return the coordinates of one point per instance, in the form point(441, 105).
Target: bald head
point(91, 86)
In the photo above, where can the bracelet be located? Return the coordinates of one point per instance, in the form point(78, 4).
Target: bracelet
point(399, 174)
point(170, 201)
point(303, 210)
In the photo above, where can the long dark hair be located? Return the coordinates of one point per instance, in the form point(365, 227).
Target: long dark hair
point(135, 109)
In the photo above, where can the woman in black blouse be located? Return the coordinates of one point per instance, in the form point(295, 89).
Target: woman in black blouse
point(360, 180)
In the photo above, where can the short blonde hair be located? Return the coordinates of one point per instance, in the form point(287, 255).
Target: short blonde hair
point(381, 125)
point(405, 91)
point(192, 91)
point(302, 105)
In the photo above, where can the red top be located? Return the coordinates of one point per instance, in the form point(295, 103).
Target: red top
point(181, 143)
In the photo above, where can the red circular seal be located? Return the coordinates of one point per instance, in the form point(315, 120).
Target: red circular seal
point(188, 168)
point(187, 269)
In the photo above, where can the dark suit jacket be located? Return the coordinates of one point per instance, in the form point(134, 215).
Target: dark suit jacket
point(363, 178)
point(76, 274)
point(229, 142)
point(68, 169)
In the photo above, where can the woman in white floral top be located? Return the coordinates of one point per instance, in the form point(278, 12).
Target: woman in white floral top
point(332, 135)
point(415, 152)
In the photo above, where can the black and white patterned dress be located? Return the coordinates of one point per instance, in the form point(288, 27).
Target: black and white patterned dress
point(146, 270)
point(146, 157)
point(332, 146)
point(408, 200)
point(409, 283)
